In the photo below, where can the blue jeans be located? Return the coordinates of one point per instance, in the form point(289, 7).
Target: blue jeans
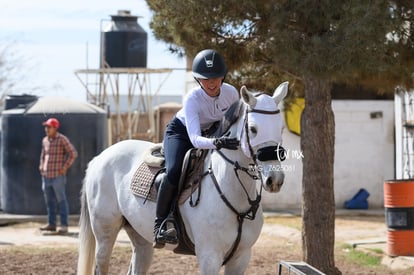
point(55, 197)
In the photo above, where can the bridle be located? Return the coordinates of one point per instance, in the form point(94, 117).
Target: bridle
point(250, 214)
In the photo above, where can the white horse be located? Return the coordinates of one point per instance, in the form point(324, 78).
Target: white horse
point(226, 222)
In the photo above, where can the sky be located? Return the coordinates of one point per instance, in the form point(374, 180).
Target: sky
point(52, 39)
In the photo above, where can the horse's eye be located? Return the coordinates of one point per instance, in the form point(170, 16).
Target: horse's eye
point(253, 130)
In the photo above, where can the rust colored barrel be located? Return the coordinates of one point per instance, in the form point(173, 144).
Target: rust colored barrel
point(399, 215)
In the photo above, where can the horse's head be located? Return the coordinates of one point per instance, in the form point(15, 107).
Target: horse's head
point(261, 134)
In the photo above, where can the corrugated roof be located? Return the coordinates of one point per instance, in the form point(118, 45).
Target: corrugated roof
point(61, 105)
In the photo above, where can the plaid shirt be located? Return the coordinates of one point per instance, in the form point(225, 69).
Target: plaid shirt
point(57, 154)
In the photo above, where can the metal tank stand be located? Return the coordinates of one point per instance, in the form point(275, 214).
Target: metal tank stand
point(107, 84)
point(299, 268)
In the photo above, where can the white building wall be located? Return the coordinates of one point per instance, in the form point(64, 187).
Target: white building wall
point(364, 155)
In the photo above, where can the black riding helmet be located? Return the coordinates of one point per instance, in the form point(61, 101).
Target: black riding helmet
point(209, 64)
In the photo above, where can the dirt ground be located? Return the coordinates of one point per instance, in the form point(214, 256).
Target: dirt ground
point(24, 250)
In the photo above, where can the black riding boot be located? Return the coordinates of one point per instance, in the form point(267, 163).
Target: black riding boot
point(163, 233)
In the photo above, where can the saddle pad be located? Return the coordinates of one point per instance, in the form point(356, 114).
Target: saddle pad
point(142, 180)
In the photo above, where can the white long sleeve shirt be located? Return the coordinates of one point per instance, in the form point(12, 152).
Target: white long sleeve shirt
point(200, 111)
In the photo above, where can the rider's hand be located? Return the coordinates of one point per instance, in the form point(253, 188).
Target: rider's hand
point(226, 143)
point(62, 171)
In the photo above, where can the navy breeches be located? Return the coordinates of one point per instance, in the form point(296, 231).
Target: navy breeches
point(176, 145)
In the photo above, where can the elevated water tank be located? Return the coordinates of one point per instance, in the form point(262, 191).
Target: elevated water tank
point(124, 42)
point(22, 133)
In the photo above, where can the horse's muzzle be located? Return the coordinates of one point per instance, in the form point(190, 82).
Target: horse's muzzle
point(272, 184)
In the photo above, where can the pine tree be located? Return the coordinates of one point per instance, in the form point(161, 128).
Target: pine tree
point(314, 44)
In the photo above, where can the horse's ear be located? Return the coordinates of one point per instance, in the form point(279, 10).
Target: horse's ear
point(280, 92)
point(248, 97)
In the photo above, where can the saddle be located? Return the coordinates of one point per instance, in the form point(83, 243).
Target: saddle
point(149, 175)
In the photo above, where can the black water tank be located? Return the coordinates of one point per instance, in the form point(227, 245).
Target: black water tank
point(124, 42)
point(21, 188)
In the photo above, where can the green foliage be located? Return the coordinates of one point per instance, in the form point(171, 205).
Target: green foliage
point(361, 258)
point(377, 251)
point(267, 41)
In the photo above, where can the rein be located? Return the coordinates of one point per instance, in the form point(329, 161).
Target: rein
point(250, 214)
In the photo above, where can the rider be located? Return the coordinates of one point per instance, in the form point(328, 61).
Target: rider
point(202, 107)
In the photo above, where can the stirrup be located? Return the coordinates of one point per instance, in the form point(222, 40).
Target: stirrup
point(165, 234)
point(159, 241)
point(157, 244)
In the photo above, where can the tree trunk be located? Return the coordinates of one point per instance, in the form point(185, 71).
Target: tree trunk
point(317, 144)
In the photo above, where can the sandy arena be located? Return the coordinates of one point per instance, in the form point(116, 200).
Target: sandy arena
point(24, 250)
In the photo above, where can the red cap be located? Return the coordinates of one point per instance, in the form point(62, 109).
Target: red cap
point(52, 122)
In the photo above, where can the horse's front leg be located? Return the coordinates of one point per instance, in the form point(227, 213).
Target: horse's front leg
point(238, 263)
point(210, 262)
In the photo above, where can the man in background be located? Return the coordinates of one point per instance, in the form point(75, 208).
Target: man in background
point(57, 156)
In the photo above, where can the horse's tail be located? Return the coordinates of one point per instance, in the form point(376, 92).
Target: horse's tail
point(86, 259)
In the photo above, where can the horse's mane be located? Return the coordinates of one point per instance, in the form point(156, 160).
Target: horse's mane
point(233, 114)
point(230, 117)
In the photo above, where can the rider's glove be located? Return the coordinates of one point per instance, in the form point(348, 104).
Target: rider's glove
point(226, 143)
